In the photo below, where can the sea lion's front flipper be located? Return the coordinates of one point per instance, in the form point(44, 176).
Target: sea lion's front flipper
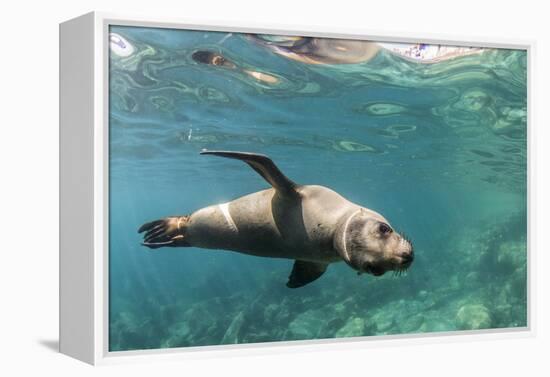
point(304, 273)
point(264, 166)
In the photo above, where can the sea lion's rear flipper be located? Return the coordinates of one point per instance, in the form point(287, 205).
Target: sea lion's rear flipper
point(169, 231)
point(264, 166)
point(304, 273)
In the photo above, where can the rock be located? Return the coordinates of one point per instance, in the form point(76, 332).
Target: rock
point(383, 321)
point(271, 312)
point(435, 325)
point(232, 335)
point(345, 307)
point(305, 325)
point(385, 325)
point(412, 323)
point(180, 336)
point(128, 333)
point(511, 255)
point(355, 326)
point(502, 315)
point(260, 337)
point(454, 283)
point(330, 327)
point(473, 317)
point(472, 279)
point(200, 324)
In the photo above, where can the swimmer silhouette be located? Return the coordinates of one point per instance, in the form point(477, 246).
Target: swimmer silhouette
point(218, 60)
point(311, 50)
point(320, 50)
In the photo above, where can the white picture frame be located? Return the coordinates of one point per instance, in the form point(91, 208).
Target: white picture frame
point(84, 46)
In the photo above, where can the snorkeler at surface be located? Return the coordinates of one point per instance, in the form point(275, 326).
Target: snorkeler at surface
point(319, 50)
point(313, 50)
point(216, 59)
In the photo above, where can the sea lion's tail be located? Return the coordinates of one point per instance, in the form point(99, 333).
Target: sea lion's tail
point(169, 231)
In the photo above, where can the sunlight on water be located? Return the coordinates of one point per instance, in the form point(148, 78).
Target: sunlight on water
point(439, 149)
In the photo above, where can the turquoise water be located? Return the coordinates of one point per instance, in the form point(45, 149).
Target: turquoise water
point(438, 149)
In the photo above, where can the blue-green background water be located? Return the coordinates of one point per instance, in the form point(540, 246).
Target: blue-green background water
point(438, 149)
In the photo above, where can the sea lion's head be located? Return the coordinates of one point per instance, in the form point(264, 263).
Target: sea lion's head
point(368, 243)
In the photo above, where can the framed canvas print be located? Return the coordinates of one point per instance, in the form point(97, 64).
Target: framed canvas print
point(227, 187)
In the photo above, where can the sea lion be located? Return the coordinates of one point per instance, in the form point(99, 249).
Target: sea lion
point(310, 224)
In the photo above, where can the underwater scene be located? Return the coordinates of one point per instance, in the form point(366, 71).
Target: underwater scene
point(429, 142)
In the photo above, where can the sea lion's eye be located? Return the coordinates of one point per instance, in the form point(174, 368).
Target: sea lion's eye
point(385, 228)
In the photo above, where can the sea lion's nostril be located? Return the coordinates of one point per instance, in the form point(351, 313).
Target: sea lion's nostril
point(407, 256)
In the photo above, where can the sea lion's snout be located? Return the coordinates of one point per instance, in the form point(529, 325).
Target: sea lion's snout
point(407, 257)
point(406, 251)
point(399, 262)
